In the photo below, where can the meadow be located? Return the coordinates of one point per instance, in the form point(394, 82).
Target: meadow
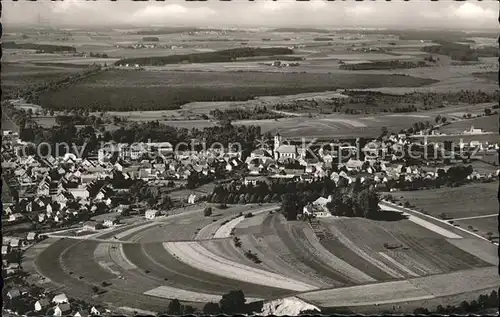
point(456, 202)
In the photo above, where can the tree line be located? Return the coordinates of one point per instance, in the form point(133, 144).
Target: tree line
point(227, 55)
point(479, 305)
point(257, 113)
point(32, 92)
point(40, 48)
point(350, 200)
point(152, 131)
point(460, 52)
point(231, 303)
point(393, 64)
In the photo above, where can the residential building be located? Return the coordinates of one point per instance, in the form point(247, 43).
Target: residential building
point(62, 309)
point(60, 299)
point(151, 214)
point(41, 304)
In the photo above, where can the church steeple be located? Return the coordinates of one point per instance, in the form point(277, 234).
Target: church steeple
point(277, 140)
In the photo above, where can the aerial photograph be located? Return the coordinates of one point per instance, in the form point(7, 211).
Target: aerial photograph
point(250, 157)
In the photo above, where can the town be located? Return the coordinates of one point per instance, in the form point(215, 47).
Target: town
point(275, 159)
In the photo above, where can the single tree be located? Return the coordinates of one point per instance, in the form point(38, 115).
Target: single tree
point(174, 307)
point(233, 302)
point(207, 211)
point(211, 308)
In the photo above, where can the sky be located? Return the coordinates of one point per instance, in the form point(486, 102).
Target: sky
point(259, 13)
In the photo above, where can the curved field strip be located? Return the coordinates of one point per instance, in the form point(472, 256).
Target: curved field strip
point(295, 241)
point(175, 231)
point(121, 293)
point(408, 262)
point(459, 282)
point(196, 256)
point(118, 256)
point(252, 225)
point(287, 251)
point(341, 266)
point(486, 251)
point(442, 254)
point(371, 238)
point(413, 261)
point(346, 122)
point(225, 248)
point(48, 265)
point(208, 231)
point(362, 252)
point(129, 232)
point(399, 265)
point(225, 230)
point(183, 295)
point(432, 227)
point(372, 294)
point(274, 262)
point(71, 259)
point(153, 257)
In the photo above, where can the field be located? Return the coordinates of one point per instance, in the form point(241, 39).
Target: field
point(465, 201)
point(16, 75)
point(476, 204)
point(195, 258)
point(487, 123)
point(128, 90)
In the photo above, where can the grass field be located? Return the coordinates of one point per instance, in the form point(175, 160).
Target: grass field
point(487, 123)
point(457, 202)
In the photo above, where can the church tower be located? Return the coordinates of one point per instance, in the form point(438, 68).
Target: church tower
point(277, 143)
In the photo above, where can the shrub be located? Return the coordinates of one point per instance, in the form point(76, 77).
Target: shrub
point(248, 215)
point(207, 212)
point(421, 311)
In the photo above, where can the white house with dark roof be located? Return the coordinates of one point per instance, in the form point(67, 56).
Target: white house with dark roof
point(41, 304)
point(60, 298)
point(62, 309)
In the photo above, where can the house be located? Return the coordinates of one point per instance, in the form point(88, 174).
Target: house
point(15, 217)
point(5, 249)
point(60, 299)
point(354, 165)
point(41, 217)
point(109, 222)
point(12, 268)
point(80, 192)
point(151, 214)
point(191, 199)
point(31, 236)
point(14, 242)
point(41, 304)
point(13, 293)
point(103, 193)
point(63, 197)
point(80, 313)
point(315, 211)
point(90, 225)
point(8, 210)
point(94, 311)
point(62, 309)
point(253, 180)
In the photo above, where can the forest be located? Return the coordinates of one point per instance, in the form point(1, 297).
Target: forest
point(205, 57)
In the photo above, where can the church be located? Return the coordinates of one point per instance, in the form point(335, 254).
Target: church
point(282, 151)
